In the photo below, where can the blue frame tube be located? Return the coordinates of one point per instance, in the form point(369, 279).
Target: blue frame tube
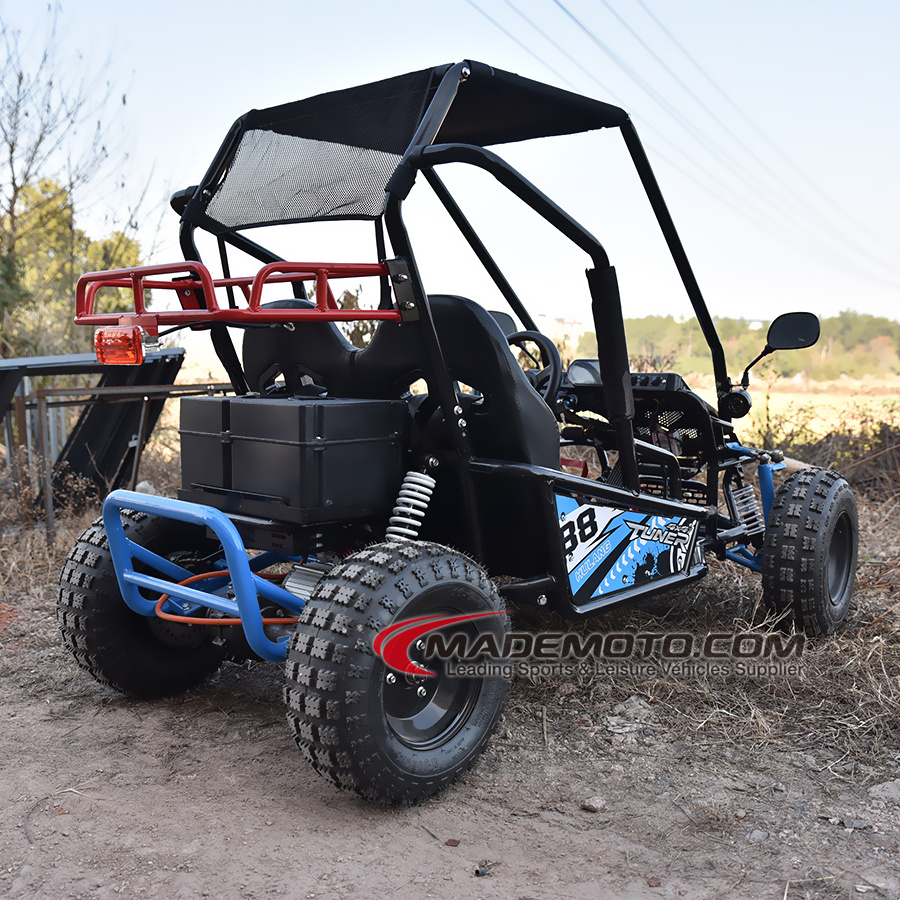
point(767, 471)
point(745, 556)
point(247, 586)
point(741, 553)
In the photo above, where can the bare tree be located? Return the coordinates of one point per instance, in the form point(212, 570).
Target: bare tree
point(50, 122)
point(54, 116)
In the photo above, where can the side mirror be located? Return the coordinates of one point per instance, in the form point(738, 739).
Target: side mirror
point(790, 331)
point(793, 331)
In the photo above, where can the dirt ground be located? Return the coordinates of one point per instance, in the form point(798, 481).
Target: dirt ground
point(782, 788)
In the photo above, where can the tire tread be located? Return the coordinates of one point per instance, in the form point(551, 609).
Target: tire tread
point(791, 573)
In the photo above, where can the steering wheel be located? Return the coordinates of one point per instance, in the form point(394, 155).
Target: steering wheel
point(546, 377)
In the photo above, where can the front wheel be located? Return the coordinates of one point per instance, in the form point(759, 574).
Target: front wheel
point(366, 727)
point(809, 557)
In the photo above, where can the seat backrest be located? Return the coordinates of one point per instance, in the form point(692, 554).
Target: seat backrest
point(317, 350)
point(505, 321)
point(510, 421)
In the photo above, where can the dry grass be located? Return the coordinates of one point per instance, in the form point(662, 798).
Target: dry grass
point(866, 449)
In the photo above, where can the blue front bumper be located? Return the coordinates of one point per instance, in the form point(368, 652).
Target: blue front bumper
point(239, 570)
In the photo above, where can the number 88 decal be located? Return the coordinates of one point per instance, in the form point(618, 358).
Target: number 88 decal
point(582, 529)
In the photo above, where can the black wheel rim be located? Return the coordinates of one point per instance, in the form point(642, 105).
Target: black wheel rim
point(425, 712)
point(840, 552)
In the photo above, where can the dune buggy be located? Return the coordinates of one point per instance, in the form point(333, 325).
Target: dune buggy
point(327, 509)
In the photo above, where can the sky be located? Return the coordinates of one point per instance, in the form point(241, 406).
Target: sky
point(771, 125)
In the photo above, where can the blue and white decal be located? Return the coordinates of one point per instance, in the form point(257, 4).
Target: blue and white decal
point(610, 550)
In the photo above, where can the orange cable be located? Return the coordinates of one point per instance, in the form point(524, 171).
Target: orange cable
point(196, 620)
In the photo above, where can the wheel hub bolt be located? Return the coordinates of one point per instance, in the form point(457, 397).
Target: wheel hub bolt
point(391, 678)
point(421, 691)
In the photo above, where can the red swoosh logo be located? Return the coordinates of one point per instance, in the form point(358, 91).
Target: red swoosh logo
point(393, 643)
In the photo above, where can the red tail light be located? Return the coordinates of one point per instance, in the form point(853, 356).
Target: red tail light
point(119, 346)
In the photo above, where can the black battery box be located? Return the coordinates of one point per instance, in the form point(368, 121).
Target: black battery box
point(300, 461)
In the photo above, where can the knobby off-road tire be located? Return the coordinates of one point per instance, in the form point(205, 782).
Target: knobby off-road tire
point(364, 727)
point(809, 557)
point(142, 656)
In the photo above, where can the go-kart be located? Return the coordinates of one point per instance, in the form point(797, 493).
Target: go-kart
point(344, 500)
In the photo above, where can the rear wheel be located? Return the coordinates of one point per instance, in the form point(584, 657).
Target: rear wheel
point(809, 558)
point(142, 656)
point(390, 736)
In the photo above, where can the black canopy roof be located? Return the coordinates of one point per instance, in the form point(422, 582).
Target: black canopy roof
point(331, 155)
point(491, 107)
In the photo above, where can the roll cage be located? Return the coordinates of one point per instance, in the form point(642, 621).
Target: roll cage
point(356, 154)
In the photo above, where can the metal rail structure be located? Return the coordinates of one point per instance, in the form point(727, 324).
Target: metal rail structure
point(104, 445)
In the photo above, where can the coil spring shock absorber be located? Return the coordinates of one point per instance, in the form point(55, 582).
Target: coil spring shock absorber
point(412, 503)
point(747, 510)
